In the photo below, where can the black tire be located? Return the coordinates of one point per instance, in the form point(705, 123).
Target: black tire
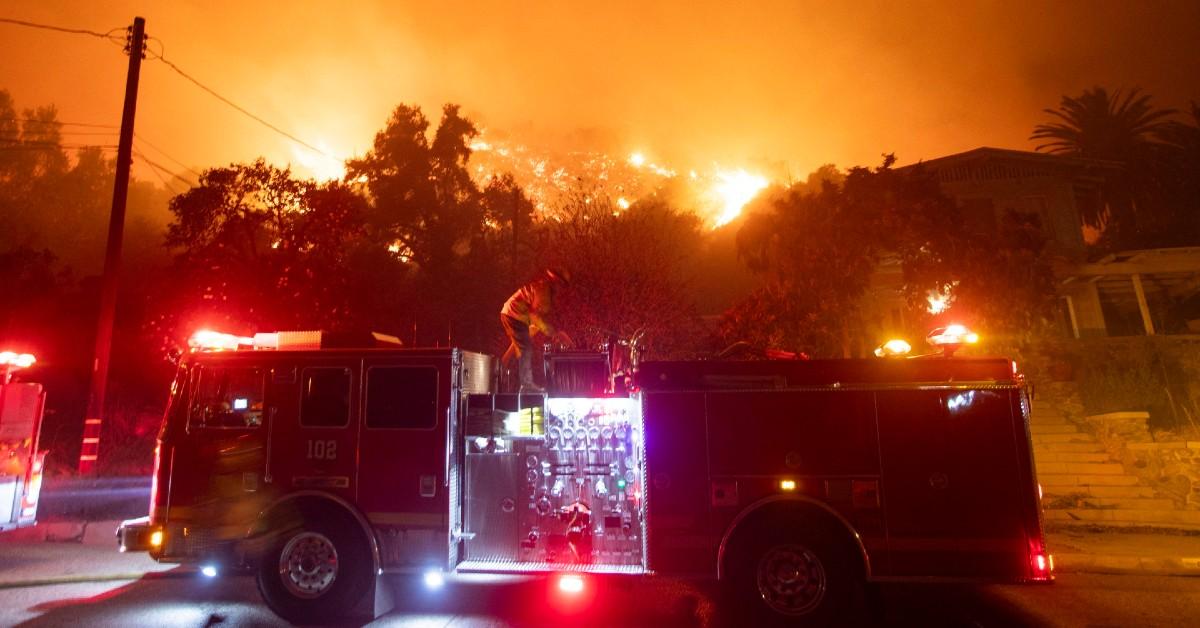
point(792, 570)
point(326, 572)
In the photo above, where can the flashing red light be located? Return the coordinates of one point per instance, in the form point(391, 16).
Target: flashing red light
point(16, 360)
point(208, 340)
point(571, 584)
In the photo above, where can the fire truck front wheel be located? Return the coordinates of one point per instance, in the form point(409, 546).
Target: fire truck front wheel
point(317, 571)
point(793, 571)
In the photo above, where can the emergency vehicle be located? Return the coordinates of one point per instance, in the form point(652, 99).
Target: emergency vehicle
point(21, 405)
point(325, 462)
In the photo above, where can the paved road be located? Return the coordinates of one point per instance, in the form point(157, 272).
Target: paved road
point(175, 597)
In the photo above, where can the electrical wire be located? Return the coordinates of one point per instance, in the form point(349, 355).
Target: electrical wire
point(60, 29)
point(158, 174)
point(158, 56)
point(163, 169)
point(142, 140)
point(34, 146)
point(58, 122)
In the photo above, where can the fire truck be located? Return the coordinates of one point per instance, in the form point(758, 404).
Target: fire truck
point(324, 463)
point(21, 405)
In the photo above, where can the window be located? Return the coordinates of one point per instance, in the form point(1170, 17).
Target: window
point(325, 398)
point(228, 397)
point(402, 397)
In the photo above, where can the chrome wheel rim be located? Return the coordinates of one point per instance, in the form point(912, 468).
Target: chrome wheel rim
point(308, 565)
point(791, 579)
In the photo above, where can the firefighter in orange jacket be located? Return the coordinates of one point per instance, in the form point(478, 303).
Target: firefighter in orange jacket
point(528, 311)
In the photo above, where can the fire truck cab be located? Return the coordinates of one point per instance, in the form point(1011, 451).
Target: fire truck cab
point(325, 466)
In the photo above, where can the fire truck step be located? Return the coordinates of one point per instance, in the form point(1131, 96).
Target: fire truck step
point(512, 566)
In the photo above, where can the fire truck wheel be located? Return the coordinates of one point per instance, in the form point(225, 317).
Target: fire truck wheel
point(795, 573)
point(316, 572)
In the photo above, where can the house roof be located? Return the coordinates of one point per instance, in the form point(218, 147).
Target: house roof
point(988, 153)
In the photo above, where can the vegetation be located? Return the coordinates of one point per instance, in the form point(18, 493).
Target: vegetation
point(1151, 199)
point(410, 244)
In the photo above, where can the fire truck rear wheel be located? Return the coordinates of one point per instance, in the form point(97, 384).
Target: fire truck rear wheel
point(794, 572)
point(317, 572)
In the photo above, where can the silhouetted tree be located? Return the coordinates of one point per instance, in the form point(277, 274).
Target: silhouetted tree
point(818, 250)
point(1122, 127)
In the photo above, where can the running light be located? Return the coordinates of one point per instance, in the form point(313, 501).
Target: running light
point(434, 580)
point(571, 584)
point(787, 485)
point(893, 347)
point(156, 541)
point(209, 570)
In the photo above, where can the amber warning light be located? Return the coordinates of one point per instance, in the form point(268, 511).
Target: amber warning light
point(951, 338)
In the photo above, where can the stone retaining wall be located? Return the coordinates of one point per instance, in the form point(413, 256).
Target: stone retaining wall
point(1172, 469)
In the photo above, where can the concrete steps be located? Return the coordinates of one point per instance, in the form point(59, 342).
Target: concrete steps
point(1081, 483)
point(1079, 468)
point(1069, 456)
point(1072, 437)
point(1038, 429)
point(1058, 480)
point(1069, 447)
point(1188, 519)
point(1102, 492)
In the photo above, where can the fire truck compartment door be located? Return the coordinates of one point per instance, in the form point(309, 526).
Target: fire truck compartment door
point(314, 431)
point(951, 483)
point(403, 486)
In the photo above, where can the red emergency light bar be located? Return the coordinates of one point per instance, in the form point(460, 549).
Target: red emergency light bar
point(14, 360)
point(208, 340)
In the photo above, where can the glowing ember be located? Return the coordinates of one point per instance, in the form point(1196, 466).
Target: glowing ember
point(637, 160)
point(623, 203)
point(735, 189)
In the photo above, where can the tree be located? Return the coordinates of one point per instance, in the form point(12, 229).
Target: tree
point(421, 192)
point(1122, 127)
point(632, 272)
point(818, 250)
point(263, 250)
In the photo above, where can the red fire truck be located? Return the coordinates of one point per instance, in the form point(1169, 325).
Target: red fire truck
point(21, 405)
point(324, 463)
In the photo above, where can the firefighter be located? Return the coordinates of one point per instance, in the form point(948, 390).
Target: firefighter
point(528, 311)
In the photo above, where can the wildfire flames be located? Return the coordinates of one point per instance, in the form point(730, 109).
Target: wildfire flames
point(716, 195)
point(735, 189)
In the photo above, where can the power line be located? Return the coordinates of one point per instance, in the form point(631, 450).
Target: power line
point(159, 57)
point(35, 146)
point(164, 169)
point(159, 175)
point(73, 31)
point(164, 153)
point(59, 122)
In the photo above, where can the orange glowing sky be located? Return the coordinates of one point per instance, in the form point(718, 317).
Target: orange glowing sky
point(782, 87)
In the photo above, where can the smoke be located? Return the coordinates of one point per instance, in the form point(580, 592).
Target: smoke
point(794, 84)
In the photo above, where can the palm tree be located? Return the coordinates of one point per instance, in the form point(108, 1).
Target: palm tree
point(1101, 126)
point(1121, 127)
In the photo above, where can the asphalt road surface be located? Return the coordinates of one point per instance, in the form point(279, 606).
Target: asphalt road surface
point(179, 598)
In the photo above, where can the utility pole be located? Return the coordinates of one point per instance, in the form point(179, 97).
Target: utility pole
point(135, 45)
